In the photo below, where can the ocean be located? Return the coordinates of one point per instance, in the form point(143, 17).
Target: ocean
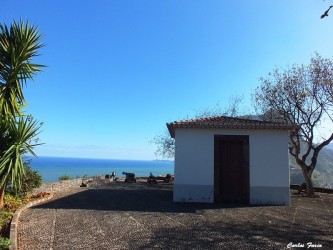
point(51, 168)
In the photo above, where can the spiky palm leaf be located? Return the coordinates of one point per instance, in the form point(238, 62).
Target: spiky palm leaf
point(16, 138)
point(18, 45)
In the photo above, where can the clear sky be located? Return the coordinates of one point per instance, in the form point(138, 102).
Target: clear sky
point(118, 70)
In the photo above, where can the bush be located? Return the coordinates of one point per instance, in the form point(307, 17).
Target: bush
point(5, 218)
point(12, 203)
point(31, 179)
point(4, 243)
point(64, 178)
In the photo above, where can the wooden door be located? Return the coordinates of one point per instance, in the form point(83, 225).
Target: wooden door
point(231, 168)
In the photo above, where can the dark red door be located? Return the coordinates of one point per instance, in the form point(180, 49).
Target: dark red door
point(231, 170)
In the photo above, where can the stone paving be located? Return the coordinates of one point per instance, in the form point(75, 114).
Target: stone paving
point(143, 216)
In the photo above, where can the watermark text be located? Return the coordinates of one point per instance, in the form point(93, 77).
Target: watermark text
point(303, 245)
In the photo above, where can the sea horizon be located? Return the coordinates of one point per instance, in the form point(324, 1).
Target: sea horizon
point(53, 167)
point(91, 158)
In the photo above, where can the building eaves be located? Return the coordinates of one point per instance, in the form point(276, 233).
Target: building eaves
point(226, 123)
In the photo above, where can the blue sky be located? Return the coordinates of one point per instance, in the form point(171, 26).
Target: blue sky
point(118, 70)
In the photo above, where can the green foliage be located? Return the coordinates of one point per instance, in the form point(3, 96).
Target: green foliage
point(12, 202)
point(16, 138)
point(19, 43)
point(5, 218)
point(30, 180)
point(4, 243)
point(64, 178)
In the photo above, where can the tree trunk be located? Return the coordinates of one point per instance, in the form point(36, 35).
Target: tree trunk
point(2, 195)
point(308, 181)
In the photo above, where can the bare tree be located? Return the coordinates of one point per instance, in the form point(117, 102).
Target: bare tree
point(166, 145)
point(233, 109)
point(300, 95)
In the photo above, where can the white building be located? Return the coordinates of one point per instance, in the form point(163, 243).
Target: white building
point(231, 159)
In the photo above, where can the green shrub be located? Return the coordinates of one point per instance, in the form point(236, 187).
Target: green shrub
point(5, 218)
point(64, 178)
point(4, 243)
point(31, 179)
point(12, 203)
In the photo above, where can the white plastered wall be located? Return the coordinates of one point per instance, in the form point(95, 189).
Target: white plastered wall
point(269, 165)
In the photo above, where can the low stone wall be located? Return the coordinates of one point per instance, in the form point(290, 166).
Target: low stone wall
point(299, 188)
point(15, 220)
point(58, 185)
point(72, 183)
point(94, 181)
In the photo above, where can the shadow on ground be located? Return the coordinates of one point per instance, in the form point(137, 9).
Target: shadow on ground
point(130, 197)
point(149, 219)
point(237, 235)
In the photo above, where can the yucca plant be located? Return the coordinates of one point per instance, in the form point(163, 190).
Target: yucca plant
point(17, 137)
point(19, 44)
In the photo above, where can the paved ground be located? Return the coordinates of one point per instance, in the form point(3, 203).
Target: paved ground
point(142, 216)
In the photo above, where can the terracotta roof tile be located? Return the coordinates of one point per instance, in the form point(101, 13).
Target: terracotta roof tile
point(226, 122)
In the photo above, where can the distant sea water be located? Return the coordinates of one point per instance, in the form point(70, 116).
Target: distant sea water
point(51, 168)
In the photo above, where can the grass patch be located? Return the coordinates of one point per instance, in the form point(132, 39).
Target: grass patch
point(64, 178)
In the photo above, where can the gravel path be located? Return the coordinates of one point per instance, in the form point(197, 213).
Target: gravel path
point(143, 216)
